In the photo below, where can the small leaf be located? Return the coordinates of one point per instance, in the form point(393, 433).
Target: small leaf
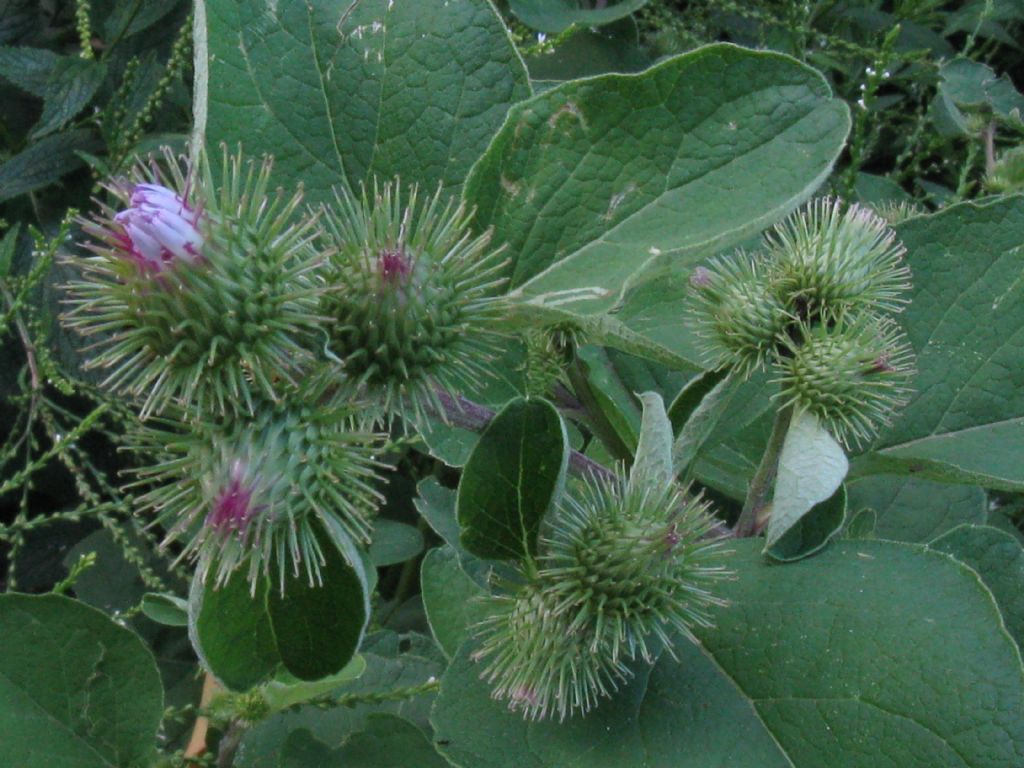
point(8, 246)
point(652, 466)
point(812, 466)
point(75, 687)
point(394, 542)
point(312, 631)
point(28, 68)
point(169, 610)
point(512, 478)
point(812, 531)
point(44, 162)
point(695, 412)
point(69, 89)
point(450, 598)
point(437, 506)
point(286, 690)
point(393, 662)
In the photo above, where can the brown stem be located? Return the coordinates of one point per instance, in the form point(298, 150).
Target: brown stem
point(989, 137)
point(197, 742)
point(229, 744)
point(749, 523)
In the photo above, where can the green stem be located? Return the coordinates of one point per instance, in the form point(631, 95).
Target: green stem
point(761, 484)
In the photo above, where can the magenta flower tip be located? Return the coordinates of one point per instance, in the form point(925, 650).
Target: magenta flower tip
point(233, 508)
point(160, 228)
point(393, 266)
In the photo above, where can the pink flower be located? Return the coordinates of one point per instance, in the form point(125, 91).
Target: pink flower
point(233, 508)
point(160, 228)
point(393, 266)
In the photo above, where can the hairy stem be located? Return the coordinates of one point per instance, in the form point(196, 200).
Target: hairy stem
point(763, 479)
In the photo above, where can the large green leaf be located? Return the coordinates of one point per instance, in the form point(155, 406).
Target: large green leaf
point(870, 654)
point(873, 653)
point(511, 480)
point(76, 689)
point(966, 324)
point(338, 91)
point(683, 714)
point(244, 636)
point(732, 140)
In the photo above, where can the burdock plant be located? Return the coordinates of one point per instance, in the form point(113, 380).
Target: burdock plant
point(199, 293)
point(254, 492)
point(626, 572)
point(412, 297)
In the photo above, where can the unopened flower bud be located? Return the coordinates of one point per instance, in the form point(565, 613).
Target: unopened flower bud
point(852, 375)
point(413, 296)
point(829, 261)
point(737, 311)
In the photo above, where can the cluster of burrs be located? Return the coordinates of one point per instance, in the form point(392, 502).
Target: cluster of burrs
point(817, 305)
point(626, 572)
point(266, 345)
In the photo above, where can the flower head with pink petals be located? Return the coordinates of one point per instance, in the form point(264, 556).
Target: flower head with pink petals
point(160, 228)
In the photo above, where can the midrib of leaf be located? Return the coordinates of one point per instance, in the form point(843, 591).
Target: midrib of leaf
point(380, 94)
point(889, 713)
point(315, 51)
point(753, 704)
point(266, 105)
